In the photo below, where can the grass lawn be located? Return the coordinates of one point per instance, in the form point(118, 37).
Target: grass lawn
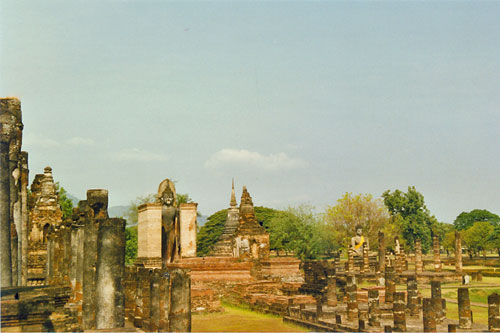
point(480, 315)
point(240, 320)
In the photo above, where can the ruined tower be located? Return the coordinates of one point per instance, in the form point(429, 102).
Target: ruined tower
point(224, 246)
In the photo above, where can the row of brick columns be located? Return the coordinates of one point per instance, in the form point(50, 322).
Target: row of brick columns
point(158, 299)
point(88, 254)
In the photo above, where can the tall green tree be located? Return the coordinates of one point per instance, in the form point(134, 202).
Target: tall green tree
point(65, 202)
point(296, 230)
point(414, 218)
point(130, 244)
point(478, 237)
point(466, 219)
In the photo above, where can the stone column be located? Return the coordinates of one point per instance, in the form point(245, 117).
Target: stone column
point(110, 298)
point(494, 313)
point(331, 292)
point(437, 302)
point(180, 301)
point(165, 300)
point(352, 301)
point(399, 312)
point(24, 217)
point(373, 308)
point(350, 261)
point(5, 221)
point(130, 287)
point(381, 251)
point(458, 252)
point(66, 240)
point(138, 315)
point(390, 284)
point(49, 265)
point(145, 286)
point(437, 254)
point(429, 316)
point(412, 293)
point(366, 259)
point(13, 250)
point(154, 288)
point(419, 265)
point(464, 310)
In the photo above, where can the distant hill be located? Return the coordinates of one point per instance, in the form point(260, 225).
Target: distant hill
point(73, 199)
point(201, 220)
point(118, 211)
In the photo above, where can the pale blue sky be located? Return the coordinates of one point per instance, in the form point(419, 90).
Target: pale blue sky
point(300, 101)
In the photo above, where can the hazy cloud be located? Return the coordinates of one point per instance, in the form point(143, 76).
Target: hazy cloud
point(79, 141)
point(34, 140)
point(135, 154)
point(278, 161)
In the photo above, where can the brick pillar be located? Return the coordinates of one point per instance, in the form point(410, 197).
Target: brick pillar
point(429, 316)
point(130, 290)
point(373, 308)
point(452, 328)
point(14, 253)
point(110, 298)
point(458, 252)
point(352, 302)
point(319, 307)
point(381, 251)
point(366, 259)
point(145, 295)
point(437, 302)
point(399, 312)
point(464, 310)
point(154, 287)
point(24, 218)
point(5, 221)
point(412, 292)
point(165, 300)
point(138, 315)
point(350, 261)
point(437, 254)
point(180, 301)
point(331, 292)
point(419, 265)
point(390, 284)
point(494, 313)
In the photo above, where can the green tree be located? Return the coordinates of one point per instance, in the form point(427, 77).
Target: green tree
point(65, 202)
point(412, 215)
point(466, 220)
point(478, 237)
point(210, 232)
point(448, 242)
point(352, 210)
point(130, 244)
point(495, 239)
point(296, 230)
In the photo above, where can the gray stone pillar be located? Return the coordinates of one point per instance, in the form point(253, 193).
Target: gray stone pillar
point(130, 288)
point(464, 310)
point(437, 254)
point(14, 252)
point(429, 316)
point(399, 312)
point(494, 313)
point(49, 279)
point(390, 284)
point(145, 297)
point(381, 251)
point(24, 217)
point(352, 301)
point(412, 293)
point(419, 265)
point(373, 308)
point(458, 252)
point(110, 298)
point(5, 221)
point(154, 307)
point(89, 266)
point(180, 301)
point(437, 302)
point(165, 300)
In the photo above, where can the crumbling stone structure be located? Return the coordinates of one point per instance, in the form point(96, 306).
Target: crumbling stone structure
point(45, 216)
point(225, 246)
point(251, 239)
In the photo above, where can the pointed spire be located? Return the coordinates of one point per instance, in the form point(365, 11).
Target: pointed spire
point(233, 202)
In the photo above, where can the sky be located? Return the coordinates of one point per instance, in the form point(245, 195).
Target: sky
point(299, 101)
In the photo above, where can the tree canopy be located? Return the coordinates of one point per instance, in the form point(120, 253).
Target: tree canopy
point(352, 210)
point(409, 211)
point(467, 219)
point(130, 244)
point(65, 202)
